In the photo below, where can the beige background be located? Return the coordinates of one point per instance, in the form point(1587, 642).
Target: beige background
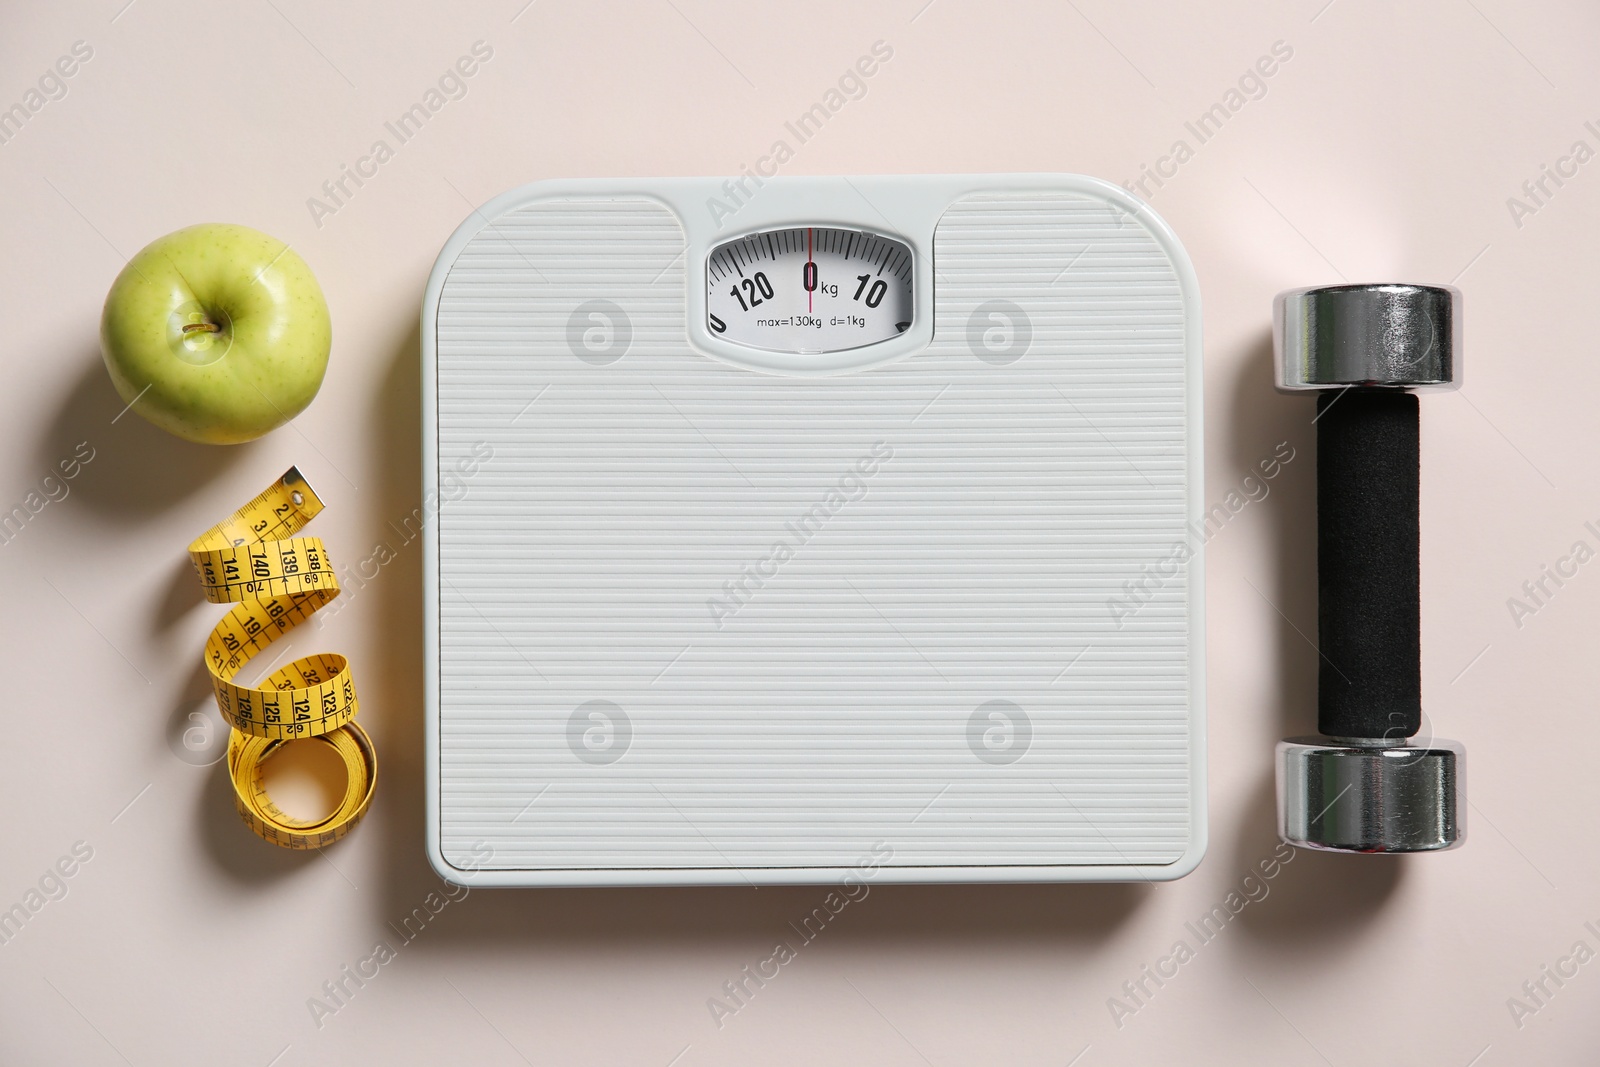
point(1385, 148)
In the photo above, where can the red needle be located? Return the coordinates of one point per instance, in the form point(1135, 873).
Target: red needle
point(808, 264)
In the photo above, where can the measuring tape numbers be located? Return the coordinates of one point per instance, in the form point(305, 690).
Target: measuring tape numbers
point(275, 581)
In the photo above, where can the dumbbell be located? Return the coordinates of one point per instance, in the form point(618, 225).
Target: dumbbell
point(1366, 785)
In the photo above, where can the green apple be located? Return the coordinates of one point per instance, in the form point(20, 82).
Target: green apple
point(216, 333)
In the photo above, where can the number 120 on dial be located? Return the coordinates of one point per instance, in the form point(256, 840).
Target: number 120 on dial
point(809, 289)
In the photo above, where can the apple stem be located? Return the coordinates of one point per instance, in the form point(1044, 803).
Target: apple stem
point(209, 327)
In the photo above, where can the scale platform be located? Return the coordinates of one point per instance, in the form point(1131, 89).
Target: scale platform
point(798, 530)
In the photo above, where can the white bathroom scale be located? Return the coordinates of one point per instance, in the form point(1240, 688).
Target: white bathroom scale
point(806, 530)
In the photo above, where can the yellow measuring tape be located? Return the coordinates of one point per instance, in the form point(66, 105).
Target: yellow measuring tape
point(275, 582)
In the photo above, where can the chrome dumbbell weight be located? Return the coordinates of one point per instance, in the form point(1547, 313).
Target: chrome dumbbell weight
point(1367, 784)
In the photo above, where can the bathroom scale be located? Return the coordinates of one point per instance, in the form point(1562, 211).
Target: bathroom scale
point(810, 530)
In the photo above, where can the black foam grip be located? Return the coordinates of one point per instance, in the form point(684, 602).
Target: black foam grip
point(1368, 597)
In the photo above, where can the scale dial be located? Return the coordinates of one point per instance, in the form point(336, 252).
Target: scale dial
point(809, 289)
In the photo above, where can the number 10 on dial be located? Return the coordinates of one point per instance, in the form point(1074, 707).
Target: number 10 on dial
point(809, 289)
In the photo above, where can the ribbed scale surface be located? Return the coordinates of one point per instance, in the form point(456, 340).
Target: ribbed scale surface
point(830, 708)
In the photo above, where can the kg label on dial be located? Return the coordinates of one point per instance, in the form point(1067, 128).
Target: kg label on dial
point(809, 289)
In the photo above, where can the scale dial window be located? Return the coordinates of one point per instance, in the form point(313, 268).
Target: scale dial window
point(809, 289)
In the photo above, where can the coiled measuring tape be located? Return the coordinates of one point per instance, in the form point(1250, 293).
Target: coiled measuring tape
point(275, 582)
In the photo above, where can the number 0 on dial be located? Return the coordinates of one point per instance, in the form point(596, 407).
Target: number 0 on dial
point(809, 289)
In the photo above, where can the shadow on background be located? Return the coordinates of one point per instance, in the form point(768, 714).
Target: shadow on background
point(183, 593)
point(1318, 901)
point(137, 473)
point(138, 470)
point(237, 852)
point(398, 592)
point(931, 916)
point(197, 735)
point(1028, 915)
point(1288, 582)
